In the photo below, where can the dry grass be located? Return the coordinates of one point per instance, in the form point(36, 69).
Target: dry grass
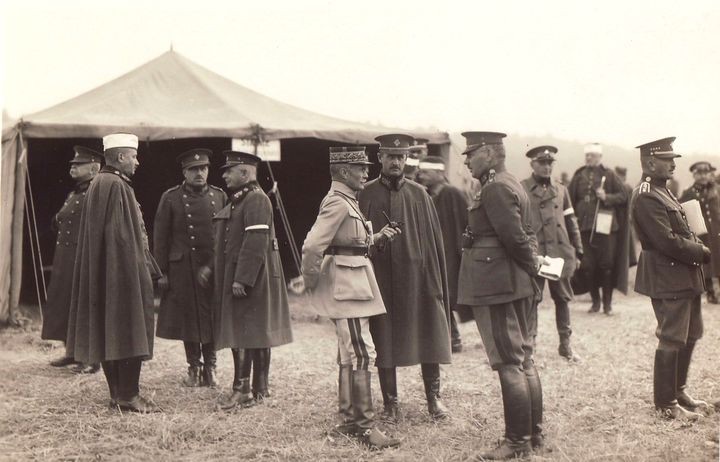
point(600, 409)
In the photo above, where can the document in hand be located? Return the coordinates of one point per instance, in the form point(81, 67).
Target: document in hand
point(552, 268)
point(694, 216)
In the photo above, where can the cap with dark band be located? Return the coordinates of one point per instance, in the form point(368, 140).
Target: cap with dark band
point(194, 158)
point(395, 143)
point(233, 158)
point(542, 153)
point(702, 166)
point(477, 140)
point(662, 149)
point(85, 155)
point(419, 145)
point(349, 155)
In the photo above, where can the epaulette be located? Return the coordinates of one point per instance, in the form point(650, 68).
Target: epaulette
point(176, 187)
point(644, 186)
point(243, 192)
point(217, 188)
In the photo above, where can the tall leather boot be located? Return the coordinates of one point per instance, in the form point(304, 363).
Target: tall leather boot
point(346, 419)
point(241, 395)
point(517, 407)
point(665, 386)
point(431, 380)
point(209, 379)
point(128, 388)
point(363, 413)
point(607, 291)
point(683, 365)
point(261, 366)
point(110, 370)
point(388, 387)
point(192, 354)
point(595, 295)
point(537, 438)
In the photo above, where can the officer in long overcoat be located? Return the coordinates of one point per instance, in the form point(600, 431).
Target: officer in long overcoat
point(670, 273)
point(183, 243)
point(83, 168)
point(553, 220)
point(250, 308)
point(705, 190)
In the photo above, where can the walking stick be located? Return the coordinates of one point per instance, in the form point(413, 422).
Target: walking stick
point(597, 210)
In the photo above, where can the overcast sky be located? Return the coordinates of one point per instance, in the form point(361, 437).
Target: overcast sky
point(616, 72)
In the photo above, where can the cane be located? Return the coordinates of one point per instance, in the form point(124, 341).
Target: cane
point(597, 210)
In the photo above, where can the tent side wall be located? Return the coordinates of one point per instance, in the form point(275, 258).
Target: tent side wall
point(13, 169)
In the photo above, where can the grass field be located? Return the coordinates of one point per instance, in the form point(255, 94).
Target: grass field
point(599, 409)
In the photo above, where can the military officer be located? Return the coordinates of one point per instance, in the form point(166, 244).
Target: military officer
point(596, 194)
point(183, 243)
point(451, 205)
point(83, 168)
point(498, 267)
point(554, 223)
point(250, 310)
point(336, 265)
point(670, 273)
point(412, 278)
point(706, 192)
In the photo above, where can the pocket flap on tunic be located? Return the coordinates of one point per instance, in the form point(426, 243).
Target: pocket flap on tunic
point(351, 279)
point(175, 256)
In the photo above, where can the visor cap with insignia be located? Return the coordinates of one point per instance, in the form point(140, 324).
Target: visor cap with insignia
point(419, 145)
point(477, 140)
point(85, 155)
point(194, 158)
point(701, 167)
point(395, 143)
point(349, 155)
point(662, 149)
point(541, 153)
point(233, 158)
point(120, 140)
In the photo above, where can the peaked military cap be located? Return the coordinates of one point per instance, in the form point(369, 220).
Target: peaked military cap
point(661, 149)
point(477, 140)
point(395, 143)
point(194, 157)
point(432, 163)
point(419, 144)
point(702, 166)
point(233, 158)
point(349, 155)
point(595, 148)
point(85, 155)
point(542, 153)
point(120, 140)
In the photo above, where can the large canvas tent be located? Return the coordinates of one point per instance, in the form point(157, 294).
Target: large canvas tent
point(172, 104)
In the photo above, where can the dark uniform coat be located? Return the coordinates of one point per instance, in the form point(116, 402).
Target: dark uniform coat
point(582, 194)
point(451, 205)
point(247, 252)
point(670, 264)
point(499, 266)
point(553, 220)
point(411, 274)
point(56, 310)
point(111, 309)
point(184, 242)
point(709, 199)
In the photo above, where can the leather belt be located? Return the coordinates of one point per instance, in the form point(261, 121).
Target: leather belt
point(346, 250)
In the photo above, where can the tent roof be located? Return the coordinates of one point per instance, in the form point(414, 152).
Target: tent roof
point(173, 97)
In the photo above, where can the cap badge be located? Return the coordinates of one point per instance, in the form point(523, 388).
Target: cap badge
point(197, 156)
point(396, 142)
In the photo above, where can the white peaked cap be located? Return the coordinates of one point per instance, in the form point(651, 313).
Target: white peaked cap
point(120, 140)
point(413, 162)
point(593, 147)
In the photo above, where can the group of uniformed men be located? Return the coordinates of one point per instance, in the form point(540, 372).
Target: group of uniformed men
point(387, 260)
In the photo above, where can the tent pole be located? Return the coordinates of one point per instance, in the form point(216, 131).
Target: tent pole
point(32, 251)
point(37, 237)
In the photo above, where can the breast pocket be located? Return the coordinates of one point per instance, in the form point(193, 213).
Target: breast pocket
point(351, 279)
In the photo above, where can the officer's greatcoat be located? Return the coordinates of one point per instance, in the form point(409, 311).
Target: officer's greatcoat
point(56, 310)
point(553, 220)
point(343, 279)
point(709, 199)
point(183, 243)
point(247, 252)
point(411, 274)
